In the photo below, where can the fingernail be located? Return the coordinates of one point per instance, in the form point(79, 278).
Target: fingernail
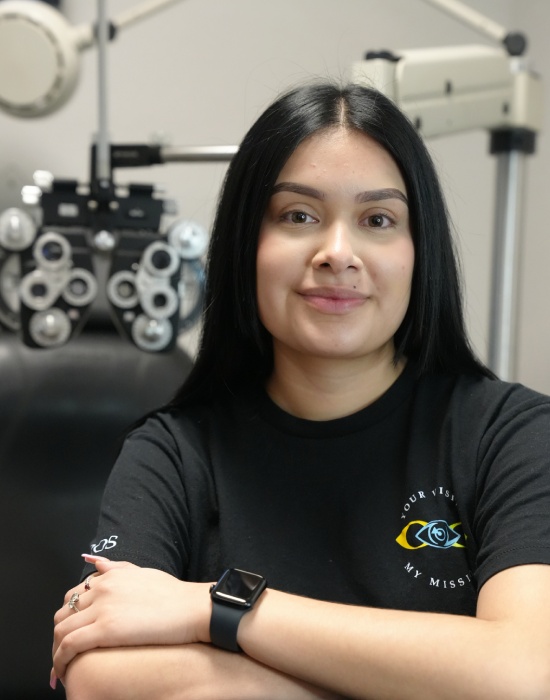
point(53, 680)
point(91, 558)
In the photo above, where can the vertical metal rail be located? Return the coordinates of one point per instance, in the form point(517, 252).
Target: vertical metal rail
point(506, 264)
point(103, 162)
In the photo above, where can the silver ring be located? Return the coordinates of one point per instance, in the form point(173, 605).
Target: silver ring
point(87, 586)
point(73, 601)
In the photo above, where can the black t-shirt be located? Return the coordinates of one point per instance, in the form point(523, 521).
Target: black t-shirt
point(411, 503)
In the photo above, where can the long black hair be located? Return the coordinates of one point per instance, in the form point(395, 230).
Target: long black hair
point(235, 349)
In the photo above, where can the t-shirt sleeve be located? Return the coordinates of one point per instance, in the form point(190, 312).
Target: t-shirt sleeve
point(144, 514)
point(512, 513)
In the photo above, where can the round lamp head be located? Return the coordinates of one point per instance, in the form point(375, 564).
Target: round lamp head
point(39, 58)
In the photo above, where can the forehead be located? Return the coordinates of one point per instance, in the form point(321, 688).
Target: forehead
point(340, 157)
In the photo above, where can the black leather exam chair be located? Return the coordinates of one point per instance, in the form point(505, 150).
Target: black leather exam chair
point(63, 414)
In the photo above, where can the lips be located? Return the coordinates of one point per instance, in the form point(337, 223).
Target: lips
point(333, 293)
point(335, 300)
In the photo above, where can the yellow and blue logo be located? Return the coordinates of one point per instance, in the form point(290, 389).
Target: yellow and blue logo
point(436, 533)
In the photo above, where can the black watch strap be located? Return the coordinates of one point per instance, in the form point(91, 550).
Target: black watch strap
point(224, 624)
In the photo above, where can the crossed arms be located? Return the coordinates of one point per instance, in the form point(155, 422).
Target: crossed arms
point(142, 633)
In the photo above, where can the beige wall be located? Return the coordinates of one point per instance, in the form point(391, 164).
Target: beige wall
point(534, 319)
point(200, 72)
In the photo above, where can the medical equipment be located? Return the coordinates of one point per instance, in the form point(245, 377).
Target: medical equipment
point(75, 245)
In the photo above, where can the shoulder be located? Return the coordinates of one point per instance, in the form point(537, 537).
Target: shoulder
point(192, 424)
point(479, 396)
point(170, 429)
point(472, 414)
point(483, 423)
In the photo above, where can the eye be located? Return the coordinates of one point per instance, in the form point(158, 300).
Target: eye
point(379, 221)
point(298, 216)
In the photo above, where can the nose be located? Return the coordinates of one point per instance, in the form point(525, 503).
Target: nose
point(336, 249)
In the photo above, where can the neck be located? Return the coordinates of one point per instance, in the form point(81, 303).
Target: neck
point(327, 388)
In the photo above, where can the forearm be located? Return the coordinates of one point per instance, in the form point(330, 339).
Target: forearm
point(189, 672)
point(379, 654)
point(357, 652)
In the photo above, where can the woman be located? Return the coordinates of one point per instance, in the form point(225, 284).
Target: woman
point(336, 437)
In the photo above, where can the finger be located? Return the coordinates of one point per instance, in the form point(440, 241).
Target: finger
point(78, 601)
point(70, 644)
point(93, 558)
point(68, 611)
point(104, 566)
point(79, 588)
point(69, 594)
point(88, 581)
point(68, 626)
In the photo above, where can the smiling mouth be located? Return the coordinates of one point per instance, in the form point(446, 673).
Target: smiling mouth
point(335, 300)
point(334, 293)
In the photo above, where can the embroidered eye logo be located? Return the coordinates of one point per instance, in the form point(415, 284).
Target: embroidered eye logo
point(438, 534)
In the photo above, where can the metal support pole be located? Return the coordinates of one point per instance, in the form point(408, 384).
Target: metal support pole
point(511, 147)
point(514, 42)
point(471, 18)
point(506, 265)
point(197, 154)
point(103, 153)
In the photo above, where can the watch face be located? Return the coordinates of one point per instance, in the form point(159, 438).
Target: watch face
point(239, 587)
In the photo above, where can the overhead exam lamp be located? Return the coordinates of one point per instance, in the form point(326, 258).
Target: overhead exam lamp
point(453, 89)
point(40, 67)
point(40, 53)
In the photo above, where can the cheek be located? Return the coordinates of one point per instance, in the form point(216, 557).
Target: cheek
point(395, 270)
point(275, 264)
point(267, 274)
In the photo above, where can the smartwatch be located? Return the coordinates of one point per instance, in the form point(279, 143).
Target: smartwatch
point(232, 597)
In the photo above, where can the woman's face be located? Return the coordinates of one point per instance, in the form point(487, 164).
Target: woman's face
point(335, 253)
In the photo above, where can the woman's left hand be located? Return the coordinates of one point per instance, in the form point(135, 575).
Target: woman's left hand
point(126, 605)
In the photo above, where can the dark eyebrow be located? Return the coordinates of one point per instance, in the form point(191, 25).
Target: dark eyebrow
point(369, 196)
point(378, 195)
point(298, 189)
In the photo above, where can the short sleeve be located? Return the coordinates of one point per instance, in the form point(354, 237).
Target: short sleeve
point(144, 514)
point(512, 510)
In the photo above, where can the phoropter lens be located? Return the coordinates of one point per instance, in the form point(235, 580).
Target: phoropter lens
point(161, 259)
point(52, 251)
point(38, 290)
point(78, 287)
